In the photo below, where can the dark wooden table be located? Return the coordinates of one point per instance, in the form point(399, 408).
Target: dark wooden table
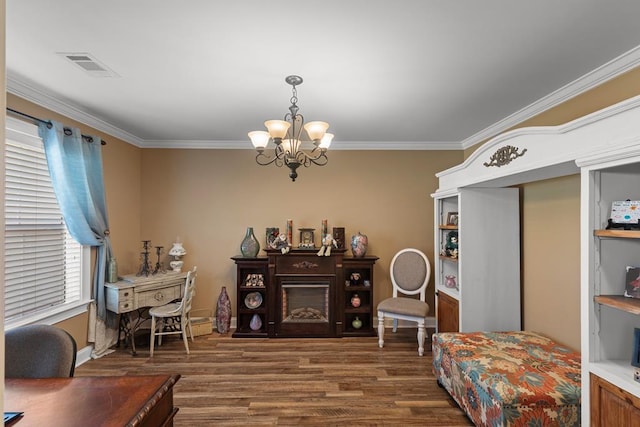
point(92, 401)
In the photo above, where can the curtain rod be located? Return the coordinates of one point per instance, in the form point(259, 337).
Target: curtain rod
point(36, 120)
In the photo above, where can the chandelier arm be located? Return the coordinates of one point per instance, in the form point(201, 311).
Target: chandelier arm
point(320, 160)
point(264, 160)
point(278, 158)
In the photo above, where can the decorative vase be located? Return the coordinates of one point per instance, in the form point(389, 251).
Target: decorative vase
point(355, 301)
point(250, 245)
point(223, 312)
point(359, 243)
point(112, 270)
point(450, 281)
point(357, 323)
point(256, 322)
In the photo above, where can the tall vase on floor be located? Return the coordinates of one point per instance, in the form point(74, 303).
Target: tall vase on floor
point(223, 312)
point(250, 245)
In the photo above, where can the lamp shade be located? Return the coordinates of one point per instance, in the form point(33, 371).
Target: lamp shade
point(259, 138)
point(177, 250)
point(277, 128)
point(325, 142)
point(316, 130)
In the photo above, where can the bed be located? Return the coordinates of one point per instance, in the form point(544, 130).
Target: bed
point(509, 378)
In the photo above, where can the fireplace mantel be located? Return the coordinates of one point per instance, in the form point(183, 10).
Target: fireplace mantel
point(304, 295)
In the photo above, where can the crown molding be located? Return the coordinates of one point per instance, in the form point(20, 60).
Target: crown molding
point(620, 65)
point(338, 145)
point(20, 88)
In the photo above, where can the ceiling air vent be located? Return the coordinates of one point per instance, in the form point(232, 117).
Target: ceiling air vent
point(89, 64)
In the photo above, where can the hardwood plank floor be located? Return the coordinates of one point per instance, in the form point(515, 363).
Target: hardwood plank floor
point(292, 382)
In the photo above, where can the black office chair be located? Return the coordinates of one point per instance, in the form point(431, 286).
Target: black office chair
point(39, 351)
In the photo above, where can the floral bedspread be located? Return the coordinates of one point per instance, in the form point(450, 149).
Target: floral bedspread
point(509, 378)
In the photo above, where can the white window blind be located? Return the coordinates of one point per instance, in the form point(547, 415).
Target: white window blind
point(43, 263)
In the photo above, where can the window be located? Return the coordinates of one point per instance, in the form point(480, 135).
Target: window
point(46, 270)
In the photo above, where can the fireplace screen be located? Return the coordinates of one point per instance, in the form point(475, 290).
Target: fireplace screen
point(306, 302)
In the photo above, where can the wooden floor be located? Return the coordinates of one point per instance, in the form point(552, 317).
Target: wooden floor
point(292, 382)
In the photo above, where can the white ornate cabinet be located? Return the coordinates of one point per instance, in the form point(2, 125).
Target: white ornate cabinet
point(604, 147)
point(486, 295)
point(608, 318)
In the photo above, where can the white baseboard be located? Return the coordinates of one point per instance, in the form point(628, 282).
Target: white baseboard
point(83, 355)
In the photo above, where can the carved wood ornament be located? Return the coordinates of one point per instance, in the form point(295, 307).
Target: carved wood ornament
point(504, 156)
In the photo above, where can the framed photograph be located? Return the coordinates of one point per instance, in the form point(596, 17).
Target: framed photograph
point(625, 214)
point(452, 218)
point(632, 282)
point(635, 358)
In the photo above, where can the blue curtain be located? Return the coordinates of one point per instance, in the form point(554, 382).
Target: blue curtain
point(76, 172)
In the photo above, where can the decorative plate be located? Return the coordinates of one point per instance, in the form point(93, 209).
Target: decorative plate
point(253, 300)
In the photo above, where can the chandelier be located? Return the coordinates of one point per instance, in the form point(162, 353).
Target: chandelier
point(286, 135)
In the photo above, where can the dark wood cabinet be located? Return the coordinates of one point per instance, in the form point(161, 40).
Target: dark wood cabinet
point(252, 284)
point(291, 287)
point(362, 287)
point(612, 406)
point(448, 315)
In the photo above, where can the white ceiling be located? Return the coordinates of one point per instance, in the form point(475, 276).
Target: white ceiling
point(426, 74)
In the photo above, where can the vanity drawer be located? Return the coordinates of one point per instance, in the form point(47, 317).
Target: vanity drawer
point(120, 300)
point(156, 297)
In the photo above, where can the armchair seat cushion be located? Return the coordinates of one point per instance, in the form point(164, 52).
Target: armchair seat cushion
point(405, 306)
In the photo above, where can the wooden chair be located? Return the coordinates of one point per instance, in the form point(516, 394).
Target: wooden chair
point(39, 351)
point(174, 318)
point(410, 273)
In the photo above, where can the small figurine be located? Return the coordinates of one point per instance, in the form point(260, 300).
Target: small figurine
point(452, 244)
point(327, 242)
point(282, 244)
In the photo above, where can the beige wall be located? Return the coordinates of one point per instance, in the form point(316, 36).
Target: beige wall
point(551, 258)
point(210, 197)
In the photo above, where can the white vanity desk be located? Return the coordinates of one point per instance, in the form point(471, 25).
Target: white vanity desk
point(130, 296)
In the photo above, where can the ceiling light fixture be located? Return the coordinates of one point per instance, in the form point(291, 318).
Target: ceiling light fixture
point(286, 135)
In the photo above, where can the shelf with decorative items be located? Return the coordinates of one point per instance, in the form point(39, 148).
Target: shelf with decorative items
point(357, 296)
point(252, 297)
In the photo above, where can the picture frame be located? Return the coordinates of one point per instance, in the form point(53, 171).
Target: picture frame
point(635, 357)
point(452, 218)
point(632, 282)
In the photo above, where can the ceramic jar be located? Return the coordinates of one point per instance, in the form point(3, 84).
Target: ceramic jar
point(256, 323)
point(450, 281)
point(355, 301)
point(250, 245)
point(359, 243)
point(357, 323)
